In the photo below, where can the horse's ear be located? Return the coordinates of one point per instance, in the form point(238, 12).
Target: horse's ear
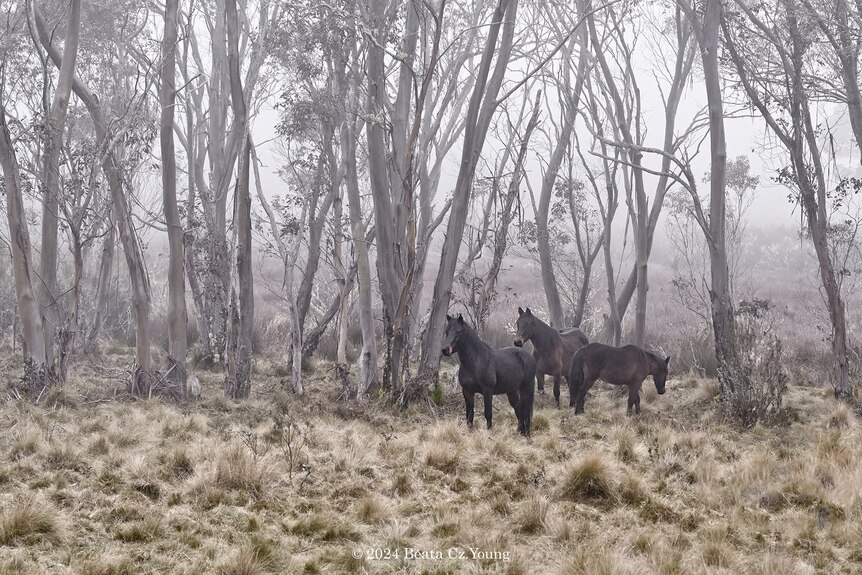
point(528, 312)
point(460, 318)
point(667, 361)
point(448, 317)
point(520, 311)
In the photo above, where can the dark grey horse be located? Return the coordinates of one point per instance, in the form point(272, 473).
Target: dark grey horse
point(510, 370)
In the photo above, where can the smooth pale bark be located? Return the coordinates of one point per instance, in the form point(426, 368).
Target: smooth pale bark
point(219, 149)
point(723, 322)
point(112, 169)
point(37, 374)
point(177, 315)
point(195, 158)
point(367, 362)
point(479, 113)
point(390, 273)
point(546, 261)
point(238, 373)
point(317, 221)
point(50, 176)
point(393, 187)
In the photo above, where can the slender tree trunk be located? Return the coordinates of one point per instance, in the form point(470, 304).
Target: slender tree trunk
point(367, 362)
point(177, 315)
point(486, 295)
point(238, 379)
point(37, 374)
point(103, 282)
point(479, 114)
point(111, 167)
point(543, 244)
point(723, 322)
point(53, 138)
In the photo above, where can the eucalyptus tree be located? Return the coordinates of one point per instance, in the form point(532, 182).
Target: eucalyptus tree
point(483, 103)
point(120, 120)
point(37, 374)
point(177, 315)
point(569, 81)
point(770, 48)
point(212, 141)
point(624, 112)
point(56, 324)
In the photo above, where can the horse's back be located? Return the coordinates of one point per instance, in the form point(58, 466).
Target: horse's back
point(574, 336)
point(514, 363)
point(614, 364)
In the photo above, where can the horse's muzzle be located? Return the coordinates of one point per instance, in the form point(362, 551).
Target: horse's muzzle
point(518, 342)
point(447, 351)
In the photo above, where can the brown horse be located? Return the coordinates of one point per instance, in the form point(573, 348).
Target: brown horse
point(552, 349)
point(491, 372)
point(628, 365)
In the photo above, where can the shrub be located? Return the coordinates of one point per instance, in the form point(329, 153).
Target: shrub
point(754, 385)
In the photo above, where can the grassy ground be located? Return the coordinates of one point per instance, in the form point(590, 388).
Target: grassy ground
point(314, 485)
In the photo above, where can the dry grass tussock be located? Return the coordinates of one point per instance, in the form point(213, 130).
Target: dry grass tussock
point(281, 484)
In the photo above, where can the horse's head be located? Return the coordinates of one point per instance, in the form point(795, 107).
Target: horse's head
point(524, 327)
point(660, 374)
point(455, 329)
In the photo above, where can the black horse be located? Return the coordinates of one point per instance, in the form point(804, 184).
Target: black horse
point(628, 365)
point(510, 370)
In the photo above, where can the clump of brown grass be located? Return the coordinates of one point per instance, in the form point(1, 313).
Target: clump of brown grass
point(99, 446)
point(625, 445)
point(401, 483)
point(590, 479)
point(715, 548)
point(532, 514)
point(246, 562)
point(237, 470)
point(25, 442)
point(63, 456)
point(28, 521)
point(595, 560)
point(108, 565)
point(323, 527)
point(442, 457)
point(540, 423)
point(14, 565)
point(148, 529)
point(371, 510)
point(58, 396)
point(177, 464)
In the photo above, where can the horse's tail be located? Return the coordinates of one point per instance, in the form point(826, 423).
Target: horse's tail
point(527, 390)
point(576, 377)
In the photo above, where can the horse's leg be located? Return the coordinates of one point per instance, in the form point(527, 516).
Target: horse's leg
point(582, 395)
point(489, 398)
point(469, 399)
point(515, 402)
point(540, 380)
point(557, 378)
point(634, 398)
